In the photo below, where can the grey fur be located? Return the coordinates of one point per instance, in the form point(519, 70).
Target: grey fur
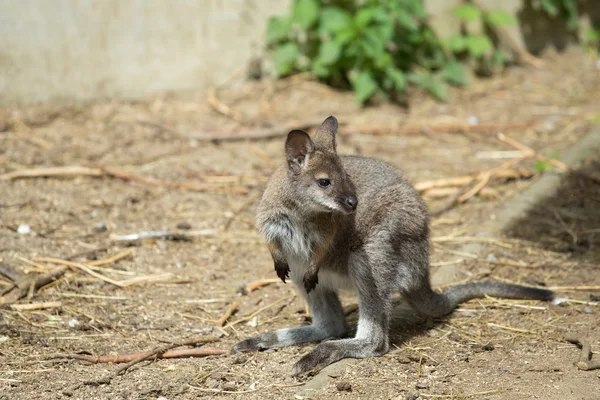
point(379, 248)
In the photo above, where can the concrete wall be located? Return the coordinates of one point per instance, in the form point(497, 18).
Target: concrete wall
point(81, 49)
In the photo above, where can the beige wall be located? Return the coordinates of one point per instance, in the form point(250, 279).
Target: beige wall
point(80, 49)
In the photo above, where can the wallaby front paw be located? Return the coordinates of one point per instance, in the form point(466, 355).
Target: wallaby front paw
point(311, 278)
point(283, 270)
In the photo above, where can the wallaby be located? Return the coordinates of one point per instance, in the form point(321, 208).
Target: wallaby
point(346, 221)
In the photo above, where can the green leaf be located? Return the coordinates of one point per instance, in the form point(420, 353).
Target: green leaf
point(429, 83)
point(467, 12)
point(457, 43)
point(329, 52)
point(285, 56)
point(478, 45)
point(397, 77)
point(455, 74)
point(549, 7)
point(278, 29)
point(364, 86)
point(305, 12)
point(542, 166)
point(499, 57)
point(364, 16)
point(320, 70)
point(407, 21)
point(499, 18)
point(344, 36)
point(334, 20)
point(591, 35)
point(438, 89)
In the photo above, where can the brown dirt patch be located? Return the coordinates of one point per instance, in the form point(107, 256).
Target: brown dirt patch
point(475, 350)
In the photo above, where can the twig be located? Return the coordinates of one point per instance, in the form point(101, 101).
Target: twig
point(467, 192)
point(143, 279)
point(585, 362)
point(510, 328)
point(252, 286)
point(127, 176)
point(26, 283)
point(127, 358)
point(37, 306)
point(460, 396)
point(221, 108)
point(255, 313)
point(9, 272)
point(74, 170)
point(230, 310)
point(522, 55)
point(436, 128)
point(512, 173)
point(529, 152)
point(111, 260)
point(163, 349)
point(282, 131)
point(80, 267)
point(164, 235)
point(573, 288)
point(71, 170)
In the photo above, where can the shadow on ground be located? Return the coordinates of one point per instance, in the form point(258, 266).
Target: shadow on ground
point(568, 221)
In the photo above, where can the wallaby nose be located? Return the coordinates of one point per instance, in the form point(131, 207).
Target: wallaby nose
point(351, 202)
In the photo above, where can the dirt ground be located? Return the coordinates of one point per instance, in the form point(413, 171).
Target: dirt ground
point(486, 350)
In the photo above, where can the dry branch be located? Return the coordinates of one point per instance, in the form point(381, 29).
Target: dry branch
point(252, 286)
point(27, 283)
point(529, 152)
point(37, 306)
point(281, 131)
point(71, 170)
point(230, 310)
point(75, 170)
point(111, 260)
point(506, 173)
point(80, 267)
point(125, 358)
point(523, 56)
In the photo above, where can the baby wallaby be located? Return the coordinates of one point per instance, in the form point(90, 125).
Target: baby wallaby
point(344, 221)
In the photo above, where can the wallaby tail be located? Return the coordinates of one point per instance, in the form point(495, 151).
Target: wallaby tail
point(437, 305)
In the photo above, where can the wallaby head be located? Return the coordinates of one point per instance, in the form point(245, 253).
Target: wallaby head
point(316, 173)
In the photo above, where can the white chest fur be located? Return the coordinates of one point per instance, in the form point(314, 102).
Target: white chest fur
point(297, 238)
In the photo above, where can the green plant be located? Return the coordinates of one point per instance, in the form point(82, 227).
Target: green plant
point(480, 46)
point(543, 166)
point(567, 9)
point(375, 47)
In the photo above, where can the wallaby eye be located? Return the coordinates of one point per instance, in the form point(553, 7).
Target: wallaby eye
point(324, 182)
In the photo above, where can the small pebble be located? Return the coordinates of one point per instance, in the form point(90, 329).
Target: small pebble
point(491, 257)
point(587, 310)
point(343, 386)
point(412, 395)
point(422, 384)
point(23, 229)
point(472, 120)
point(229, 386)
point(100, 227)
point(184, 225)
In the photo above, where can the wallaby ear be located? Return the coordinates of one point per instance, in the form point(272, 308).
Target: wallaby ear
point(325, 136)
point(297, 148)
